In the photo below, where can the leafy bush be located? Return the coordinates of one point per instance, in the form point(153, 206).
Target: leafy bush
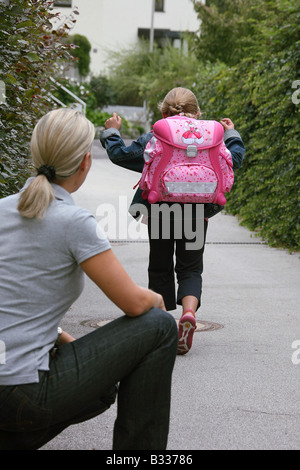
point(168, 68)
point(148, 77)
point(97, 117)
point(103, 91)
point(30, 53)
point(127, 73)
point(81, 52)
point(81, 90)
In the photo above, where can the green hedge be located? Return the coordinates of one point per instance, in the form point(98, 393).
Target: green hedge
point(258, 94)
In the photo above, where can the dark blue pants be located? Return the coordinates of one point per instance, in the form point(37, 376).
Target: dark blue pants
point(188, 265)
point(132, 358)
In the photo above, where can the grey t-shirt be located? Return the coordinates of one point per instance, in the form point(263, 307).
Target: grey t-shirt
point(40, 278)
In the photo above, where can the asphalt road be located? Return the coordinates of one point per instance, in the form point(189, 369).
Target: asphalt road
point(238, 388)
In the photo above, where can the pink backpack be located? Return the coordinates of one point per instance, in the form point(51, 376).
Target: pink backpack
point(187, 161)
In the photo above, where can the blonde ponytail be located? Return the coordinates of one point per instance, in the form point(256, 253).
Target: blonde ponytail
point(59, 142)
point(36, 198)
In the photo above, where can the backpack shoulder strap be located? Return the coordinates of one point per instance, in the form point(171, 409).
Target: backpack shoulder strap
point(161, 131)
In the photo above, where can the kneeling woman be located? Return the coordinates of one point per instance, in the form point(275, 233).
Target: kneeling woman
point(47, 243)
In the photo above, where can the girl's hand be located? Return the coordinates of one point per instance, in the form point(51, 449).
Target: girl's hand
point(115, 121)
point(227, 124)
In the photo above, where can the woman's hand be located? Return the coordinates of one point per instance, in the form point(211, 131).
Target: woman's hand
point(115, 121)
point(160, 302)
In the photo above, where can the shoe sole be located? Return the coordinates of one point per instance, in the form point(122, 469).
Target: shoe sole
point(187, 326)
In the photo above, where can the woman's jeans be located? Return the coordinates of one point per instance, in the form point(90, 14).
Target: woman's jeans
point(129, 357)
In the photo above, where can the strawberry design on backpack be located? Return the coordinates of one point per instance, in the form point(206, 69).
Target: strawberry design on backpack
point(187, 161)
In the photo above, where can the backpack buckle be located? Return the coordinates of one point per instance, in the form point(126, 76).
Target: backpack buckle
point(191, 151)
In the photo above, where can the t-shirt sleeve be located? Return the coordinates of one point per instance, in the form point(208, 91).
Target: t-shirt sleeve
point(85, 237)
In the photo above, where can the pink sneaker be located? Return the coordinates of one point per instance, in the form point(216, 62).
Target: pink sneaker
point(187, 326)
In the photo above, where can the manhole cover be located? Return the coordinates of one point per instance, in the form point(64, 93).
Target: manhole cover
point(95, 323)
point(201, 326)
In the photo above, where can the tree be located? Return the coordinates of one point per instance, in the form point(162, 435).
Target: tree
point(31, 52)
point(226, 29)
point(127, 72)
point(138, 75)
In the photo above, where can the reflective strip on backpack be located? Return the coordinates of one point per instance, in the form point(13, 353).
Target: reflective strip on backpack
point(190, 188)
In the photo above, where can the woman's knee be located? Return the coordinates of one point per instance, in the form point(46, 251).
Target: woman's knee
point(164, 321)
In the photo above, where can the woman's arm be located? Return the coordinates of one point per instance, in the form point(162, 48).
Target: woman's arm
point(110, 276)
point(64, 338)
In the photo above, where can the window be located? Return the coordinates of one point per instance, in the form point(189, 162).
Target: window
point(163, 37)
point(62, 3)
point(159, 5)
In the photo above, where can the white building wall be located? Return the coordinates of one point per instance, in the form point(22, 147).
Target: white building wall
point(112, 25)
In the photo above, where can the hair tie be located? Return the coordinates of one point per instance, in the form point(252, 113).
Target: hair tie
point(48, 171)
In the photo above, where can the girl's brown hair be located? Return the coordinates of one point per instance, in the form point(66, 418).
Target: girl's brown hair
point(180, 101)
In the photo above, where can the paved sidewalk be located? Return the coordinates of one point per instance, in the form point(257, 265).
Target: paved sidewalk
point(238, 388)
